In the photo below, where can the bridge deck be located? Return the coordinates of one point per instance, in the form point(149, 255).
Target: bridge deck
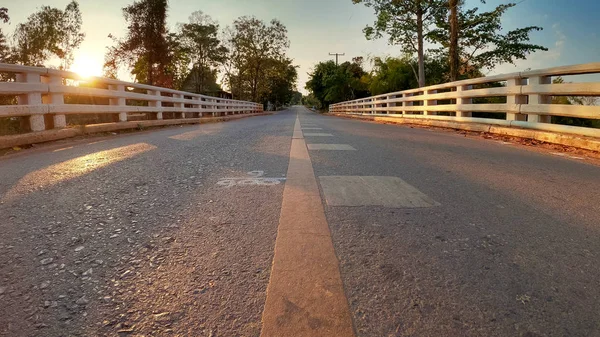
point(174, 231)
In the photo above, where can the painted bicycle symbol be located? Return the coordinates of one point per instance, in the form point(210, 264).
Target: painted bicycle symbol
point(256, 179)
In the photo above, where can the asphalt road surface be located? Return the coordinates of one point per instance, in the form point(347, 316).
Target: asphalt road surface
point(174, 232)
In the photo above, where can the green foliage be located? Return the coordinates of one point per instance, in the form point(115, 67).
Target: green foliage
point(177, 70)
point(145, 49)
point(201, 43)
point(296, 98)
point(206, 76)
point(331, 84)
point(280, 76)
point(252, 54)
point(398, 20)
point(406, 23)
point(311, 101)
point(391, 74)
point(481, 41)
point(257, 60)
point(4, 15)
point(46, 33)
point(4, 48)
point(72, 37)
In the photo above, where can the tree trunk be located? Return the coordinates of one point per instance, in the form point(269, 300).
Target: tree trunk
point(420, 51)
point(149, 77)
point(454, 53)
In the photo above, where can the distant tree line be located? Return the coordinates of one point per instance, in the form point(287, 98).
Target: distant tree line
point(249, 57)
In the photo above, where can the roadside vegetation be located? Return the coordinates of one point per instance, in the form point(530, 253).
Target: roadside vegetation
point(248, 57)
point(465, 42)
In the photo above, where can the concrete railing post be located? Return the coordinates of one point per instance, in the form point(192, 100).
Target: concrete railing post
point(460, 101)
point(377, 105)
point(156, 104)
point(198, 105)
point(404, 112)
point(539, 99)
point(515, 100)
point(427, 102)
point(36, 122)
point(390, 105)
point(119, 101)
point(60, 120)
point(179, 105)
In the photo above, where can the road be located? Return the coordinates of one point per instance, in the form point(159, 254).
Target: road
point(181, 232)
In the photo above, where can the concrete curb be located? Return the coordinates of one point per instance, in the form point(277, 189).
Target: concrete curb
point(581, 142)
point(56, 134)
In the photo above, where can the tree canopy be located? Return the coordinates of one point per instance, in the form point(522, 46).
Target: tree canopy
point(256, 50)
point(406, 23)
point(4, 48)
point(200, 41)
point(145, 49)
point(330, 83)
point(46, 33)
point(250, 53)
point(480, 41)
point(468, 39)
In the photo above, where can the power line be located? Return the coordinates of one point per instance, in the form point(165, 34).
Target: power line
point(336, 56)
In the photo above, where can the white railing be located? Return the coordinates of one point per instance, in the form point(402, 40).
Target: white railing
point(528, 97)
point(41, 92)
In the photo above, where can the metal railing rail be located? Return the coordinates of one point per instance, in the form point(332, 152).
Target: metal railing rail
point(528, 98)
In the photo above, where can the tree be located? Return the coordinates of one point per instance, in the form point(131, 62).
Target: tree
point(391, 74)
point(4, 49)
point(407, 23)
point(280, 77)
point(177, 70)
point(49, 32)
point(208, 78)
point(320, 82)
point(199, 39)
point(310, 100)
point(296, 98)
point(145, 49)
point(453, 52)
point(329, 83)
point(72, 37)
point(254, 47)
point(476, 40)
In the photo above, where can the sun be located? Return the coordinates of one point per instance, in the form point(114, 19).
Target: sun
point(87, 65)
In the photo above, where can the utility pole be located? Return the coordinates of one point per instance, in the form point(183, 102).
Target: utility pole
point(336, 56)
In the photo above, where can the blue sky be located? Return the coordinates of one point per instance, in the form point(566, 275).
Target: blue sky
point(317, 27)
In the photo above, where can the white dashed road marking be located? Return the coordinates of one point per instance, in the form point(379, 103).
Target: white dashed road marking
point(338, 147)
point(318, 135)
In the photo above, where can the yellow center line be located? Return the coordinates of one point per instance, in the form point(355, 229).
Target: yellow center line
point(305, 296)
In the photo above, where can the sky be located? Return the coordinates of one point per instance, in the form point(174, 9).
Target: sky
point(319, 27)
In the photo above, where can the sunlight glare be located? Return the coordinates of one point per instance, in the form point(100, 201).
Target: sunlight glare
point(73, 168)
point(87, 66)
